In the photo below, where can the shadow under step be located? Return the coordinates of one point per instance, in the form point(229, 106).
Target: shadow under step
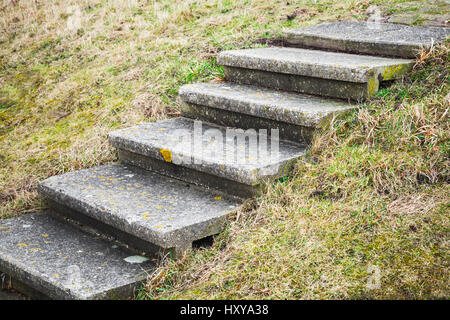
point(332, 74)
point(148, 211)
point(234, 161)
point(48, 259)
point(295, 115)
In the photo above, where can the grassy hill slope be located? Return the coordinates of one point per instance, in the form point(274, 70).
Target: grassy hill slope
point(371, 200)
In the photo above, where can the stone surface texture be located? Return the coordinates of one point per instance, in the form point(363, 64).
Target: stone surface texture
point(303, 84)
point(317, 64)
point(289, 107)
point(62, 262)
point(368, 38)
point(147, 205)
point(215, 152)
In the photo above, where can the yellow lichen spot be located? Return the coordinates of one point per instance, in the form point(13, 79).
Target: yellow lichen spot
point(21, 245)
point(217, 198)
point(372, 86)
point(159, 227)
point(56, 275)
point(159, 207)
point(45, 235)
point(394, 71)
point(167, 155)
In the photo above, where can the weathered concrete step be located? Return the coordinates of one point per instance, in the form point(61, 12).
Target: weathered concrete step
point(49, 259)
point(230, 104)
point(367, 37)
point(149, 211)
point(232, 160)
point(324, 73)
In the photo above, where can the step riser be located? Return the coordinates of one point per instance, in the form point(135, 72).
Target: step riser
point(348, 46)
point(34, 291)
point(310, 85)
point(60, 211)
point(221, 185)
point(13, 283)
point(287, 131)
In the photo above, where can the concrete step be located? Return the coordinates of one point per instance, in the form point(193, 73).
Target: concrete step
point(148, 211)
point(230, 104)
point(226, 159)
point(333, 74)
point(367, 37)
point(48, 259)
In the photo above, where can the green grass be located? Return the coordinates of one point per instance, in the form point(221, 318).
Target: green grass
point(376, 193)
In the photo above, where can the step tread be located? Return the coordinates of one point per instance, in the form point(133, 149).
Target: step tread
point(149, 206)
point(153, 139)
point(295, 108)
point(315, 63)
point(383, 38)
point(63, 262)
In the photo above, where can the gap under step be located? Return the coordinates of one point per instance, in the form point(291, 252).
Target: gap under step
point(333, 74)
point(148, 211)
point(367, 37)
point(244, 106)
point(228, 159)
point(48, 259)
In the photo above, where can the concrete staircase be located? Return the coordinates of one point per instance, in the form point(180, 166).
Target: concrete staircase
point(178, 179)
